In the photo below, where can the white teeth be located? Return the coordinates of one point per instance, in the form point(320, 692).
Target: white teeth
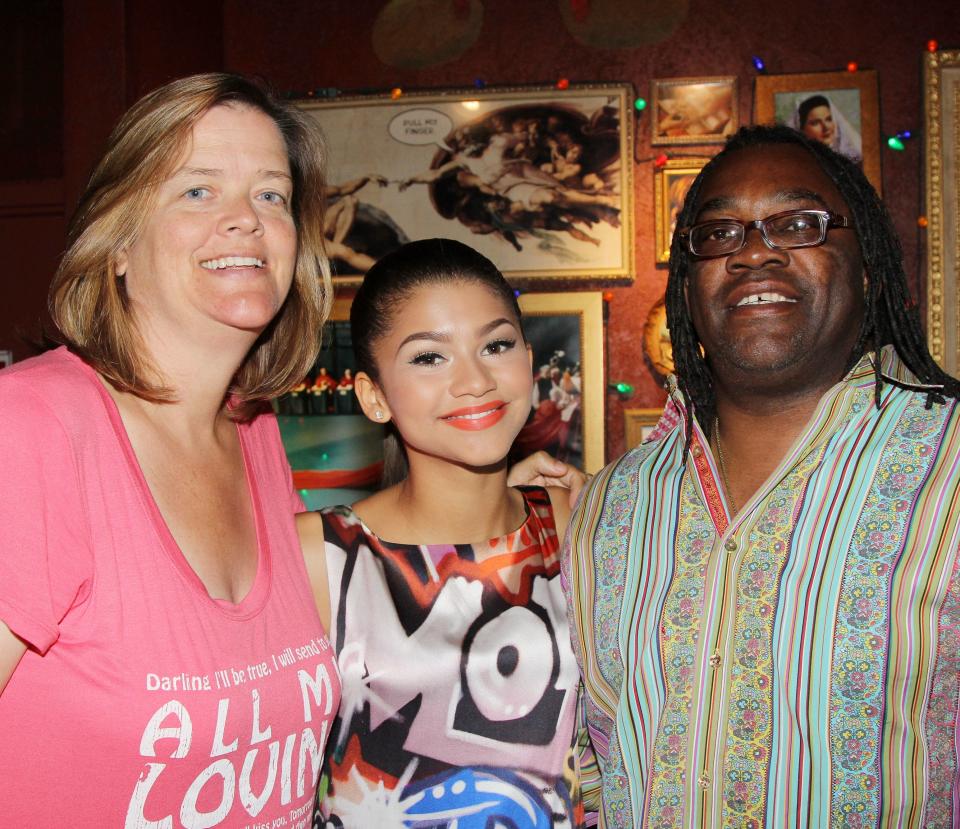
point(475, 416)
point(760, 299)
point(232, 262)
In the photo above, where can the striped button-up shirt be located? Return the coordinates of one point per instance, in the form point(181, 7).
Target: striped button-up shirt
point(799, 664)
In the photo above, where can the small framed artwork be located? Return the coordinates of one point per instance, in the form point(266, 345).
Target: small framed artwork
point(671, 183)
point(565, 333)
point(538, 179)
point(840, 109)
point(6, 358)
point(941, 87)
point(638, 424)
point(694, 110)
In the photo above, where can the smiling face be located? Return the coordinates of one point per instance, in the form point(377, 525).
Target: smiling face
point(819, 125)
point(216, 254)
point(454, 375)
point(783, 319)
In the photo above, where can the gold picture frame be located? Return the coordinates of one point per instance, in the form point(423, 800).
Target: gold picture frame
point(942, 184)
point(670, 185)
point(538, 179)
point(852, 103)
point(637, 424)
point(567, 322)
point(695, 110)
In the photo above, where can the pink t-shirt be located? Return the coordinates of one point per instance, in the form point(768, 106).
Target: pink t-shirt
point(143, 702)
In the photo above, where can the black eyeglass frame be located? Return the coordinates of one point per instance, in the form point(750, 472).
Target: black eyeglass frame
point(826, 219)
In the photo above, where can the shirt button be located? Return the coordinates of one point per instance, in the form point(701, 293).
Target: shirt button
point(715, 660)
point(703, 781)
point(695, 450)
point(730, 545)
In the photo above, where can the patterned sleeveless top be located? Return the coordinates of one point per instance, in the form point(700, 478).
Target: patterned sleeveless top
point(460, 688)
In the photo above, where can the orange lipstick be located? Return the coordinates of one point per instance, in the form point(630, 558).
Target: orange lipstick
point(476, 418)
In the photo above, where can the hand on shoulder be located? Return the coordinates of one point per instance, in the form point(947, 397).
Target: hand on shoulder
point(541, 469)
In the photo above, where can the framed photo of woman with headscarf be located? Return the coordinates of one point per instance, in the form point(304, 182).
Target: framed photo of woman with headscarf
point(838, 108)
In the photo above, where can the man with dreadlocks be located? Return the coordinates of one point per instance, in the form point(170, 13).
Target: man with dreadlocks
point(766, 600)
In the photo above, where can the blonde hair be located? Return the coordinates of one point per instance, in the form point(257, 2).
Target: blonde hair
point(88, 300)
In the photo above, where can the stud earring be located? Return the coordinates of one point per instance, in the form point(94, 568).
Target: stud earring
point(378, 414)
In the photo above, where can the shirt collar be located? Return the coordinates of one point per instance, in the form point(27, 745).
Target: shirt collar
point(863, 374)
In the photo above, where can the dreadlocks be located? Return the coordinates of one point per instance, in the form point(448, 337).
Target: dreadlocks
point(890, 317)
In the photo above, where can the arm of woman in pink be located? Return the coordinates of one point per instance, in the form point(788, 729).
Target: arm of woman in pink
point(310, 530)
point(12, 648)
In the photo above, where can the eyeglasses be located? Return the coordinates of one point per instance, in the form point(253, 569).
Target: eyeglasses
point(781, 231)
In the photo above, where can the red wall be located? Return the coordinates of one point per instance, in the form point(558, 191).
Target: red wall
point(115, 50)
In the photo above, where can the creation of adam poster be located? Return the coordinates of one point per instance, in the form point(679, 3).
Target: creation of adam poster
point(536, 179)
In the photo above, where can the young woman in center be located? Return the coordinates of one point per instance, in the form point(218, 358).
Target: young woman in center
point(460, 690)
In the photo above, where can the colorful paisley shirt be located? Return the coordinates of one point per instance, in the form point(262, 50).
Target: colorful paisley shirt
point(798, 665)
point(461, 690)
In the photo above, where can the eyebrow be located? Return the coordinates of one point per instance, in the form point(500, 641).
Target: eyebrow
point(431, 336)
point(782, 196)
point(440, 337)
point(213, 171)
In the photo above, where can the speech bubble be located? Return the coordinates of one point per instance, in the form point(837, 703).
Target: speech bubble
point(421, 126)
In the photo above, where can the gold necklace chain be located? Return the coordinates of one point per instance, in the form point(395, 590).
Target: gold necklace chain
point(723, 466)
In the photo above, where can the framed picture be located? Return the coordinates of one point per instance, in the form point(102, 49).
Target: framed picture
point(671, 183)
point(838, 108)
point(694, 110)
point(638, 424)
point(657, 345)
point(336, 454)
point(942, 184)
point(6, 358)
point(565, 332)
point(537, 179)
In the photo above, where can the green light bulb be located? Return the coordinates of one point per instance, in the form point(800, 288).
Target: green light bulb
point(894, 143)
point(640, 104)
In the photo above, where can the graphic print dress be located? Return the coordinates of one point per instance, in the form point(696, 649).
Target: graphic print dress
point(460, 689)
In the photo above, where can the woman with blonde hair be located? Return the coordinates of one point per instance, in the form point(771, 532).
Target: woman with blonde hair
point(162, 660)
